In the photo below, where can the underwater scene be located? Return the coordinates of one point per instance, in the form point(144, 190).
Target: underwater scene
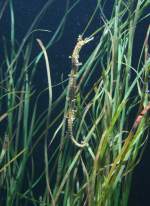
point(75, 102)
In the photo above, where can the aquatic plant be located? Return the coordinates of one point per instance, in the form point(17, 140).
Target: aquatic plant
point(92, 143)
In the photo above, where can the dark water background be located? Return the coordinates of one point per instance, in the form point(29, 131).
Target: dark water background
point(25, 12)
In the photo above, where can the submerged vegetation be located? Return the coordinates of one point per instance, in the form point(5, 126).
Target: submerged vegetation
point(81, 148)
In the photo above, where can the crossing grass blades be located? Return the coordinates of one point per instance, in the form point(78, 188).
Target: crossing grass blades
point(91, 147)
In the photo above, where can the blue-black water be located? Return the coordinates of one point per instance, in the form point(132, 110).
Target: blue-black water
point(25, 12)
